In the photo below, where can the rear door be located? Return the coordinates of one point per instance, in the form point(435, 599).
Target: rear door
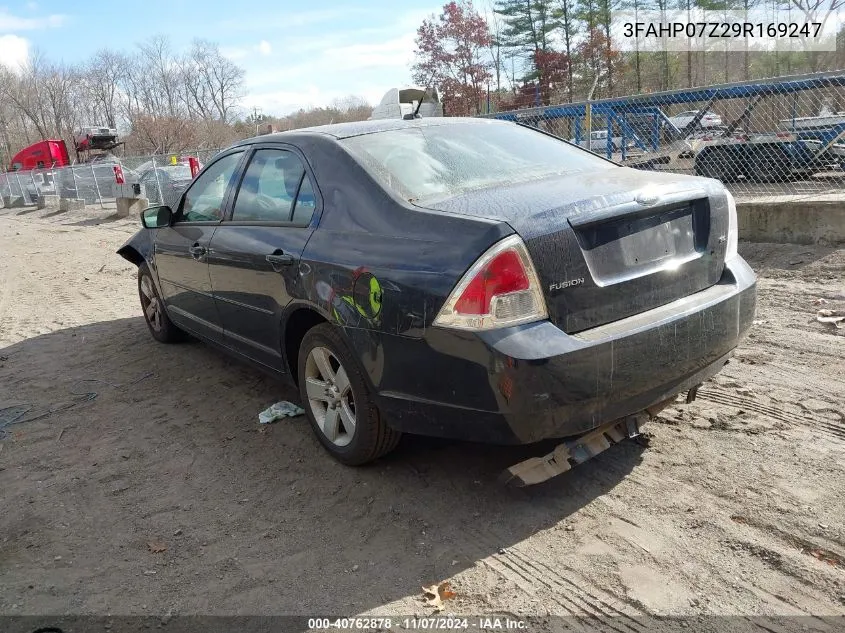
point(254, 263)
point(182, 250)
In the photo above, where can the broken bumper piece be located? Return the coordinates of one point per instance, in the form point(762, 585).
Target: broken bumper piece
point(565, 456)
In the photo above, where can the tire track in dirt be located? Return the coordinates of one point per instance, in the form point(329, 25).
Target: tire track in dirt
point(576, 595)
point(802, 544)
point(739, 401)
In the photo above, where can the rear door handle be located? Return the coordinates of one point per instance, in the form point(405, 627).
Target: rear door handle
point(279, 259)
point(197, 251)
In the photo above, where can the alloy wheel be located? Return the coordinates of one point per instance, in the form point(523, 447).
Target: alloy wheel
point(330, 396)
point(151, 304)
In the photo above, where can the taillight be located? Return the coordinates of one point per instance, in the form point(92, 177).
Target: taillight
point(500, 289)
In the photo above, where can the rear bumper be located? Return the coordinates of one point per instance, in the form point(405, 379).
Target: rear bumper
point(533, 382)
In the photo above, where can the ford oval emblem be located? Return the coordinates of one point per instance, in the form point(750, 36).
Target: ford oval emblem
point(647, 199)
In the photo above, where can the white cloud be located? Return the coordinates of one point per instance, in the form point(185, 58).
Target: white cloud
point(14, 51)
point(288, 20)
point(239, 53)
point(311, 96)
point(234, 53)
point(9, 22)
point(311, 70)
point(390, 54)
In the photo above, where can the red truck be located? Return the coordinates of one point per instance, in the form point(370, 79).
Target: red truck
point(40, 155)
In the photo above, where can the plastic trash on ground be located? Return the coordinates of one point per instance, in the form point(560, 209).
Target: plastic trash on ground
point(278, 411)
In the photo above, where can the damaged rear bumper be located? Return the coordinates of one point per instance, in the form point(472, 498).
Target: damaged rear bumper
point(539, 469)
point(535, 382)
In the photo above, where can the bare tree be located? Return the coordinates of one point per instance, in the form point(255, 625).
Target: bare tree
point(213, 82)
point(160, 83)
point(103, 76)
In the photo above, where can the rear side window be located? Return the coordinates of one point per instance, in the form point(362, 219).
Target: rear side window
point(275, 188)
point(436, 162)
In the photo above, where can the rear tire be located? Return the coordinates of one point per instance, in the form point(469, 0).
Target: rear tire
point(155, 314)
point(338, 401)
point(714, 163)
point(773, 165)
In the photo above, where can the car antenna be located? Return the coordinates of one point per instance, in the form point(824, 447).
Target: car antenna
point(415, 114)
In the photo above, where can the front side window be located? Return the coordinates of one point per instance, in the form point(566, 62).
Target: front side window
point(436, 162)
point(203, 202)
point(275, 188)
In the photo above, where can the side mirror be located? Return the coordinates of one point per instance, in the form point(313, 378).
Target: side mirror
point(157, 217)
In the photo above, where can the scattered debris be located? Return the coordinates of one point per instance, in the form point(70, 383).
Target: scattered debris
point(156, 547)
point(434, 595)
point(278, 411)
point(831, 316)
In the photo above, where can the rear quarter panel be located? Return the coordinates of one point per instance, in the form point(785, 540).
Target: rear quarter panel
point(416, 255)
point(370, 243)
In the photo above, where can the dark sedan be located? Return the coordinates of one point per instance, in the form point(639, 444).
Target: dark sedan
point(464, 278)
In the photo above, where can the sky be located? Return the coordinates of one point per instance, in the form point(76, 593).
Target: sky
point(296, 54)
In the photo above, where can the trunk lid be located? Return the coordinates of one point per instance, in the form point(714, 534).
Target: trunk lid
point(614, 243)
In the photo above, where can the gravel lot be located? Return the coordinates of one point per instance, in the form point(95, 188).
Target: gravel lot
point(140, 482)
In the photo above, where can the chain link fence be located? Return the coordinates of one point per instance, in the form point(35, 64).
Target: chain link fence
point(160, 178)
point(768, 139)
point(774, 139)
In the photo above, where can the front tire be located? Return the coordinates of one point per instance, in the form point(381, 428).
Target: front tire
point(338, 402)
point(155, 315)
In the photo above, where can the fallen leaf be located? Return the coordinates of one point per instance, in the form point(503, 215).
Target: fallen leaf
point(436, 594)
point(156, 548)
point(823, 556)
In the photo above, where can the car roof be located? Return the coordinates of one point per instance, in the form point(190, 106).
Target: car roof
point(358, 128)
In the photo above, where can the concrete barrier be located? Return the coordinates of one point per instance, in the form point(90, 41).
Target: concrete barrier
point(794, 222)
point(71, 204)
point(48, 201)
point(13, 202)
point(131, 207)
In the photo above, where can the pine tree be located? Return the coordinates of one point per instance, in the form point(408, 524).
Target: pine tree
point(527, 30)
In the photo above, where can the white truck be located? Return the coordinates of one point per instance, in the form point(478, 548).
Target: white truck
point(400, 103)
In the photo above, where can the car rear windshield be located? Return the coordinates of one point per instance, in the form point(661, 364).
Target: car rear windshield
point(430, 163)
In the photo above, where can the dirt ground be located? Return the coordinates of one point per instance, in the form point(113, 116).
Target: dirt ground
point(140, 482)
